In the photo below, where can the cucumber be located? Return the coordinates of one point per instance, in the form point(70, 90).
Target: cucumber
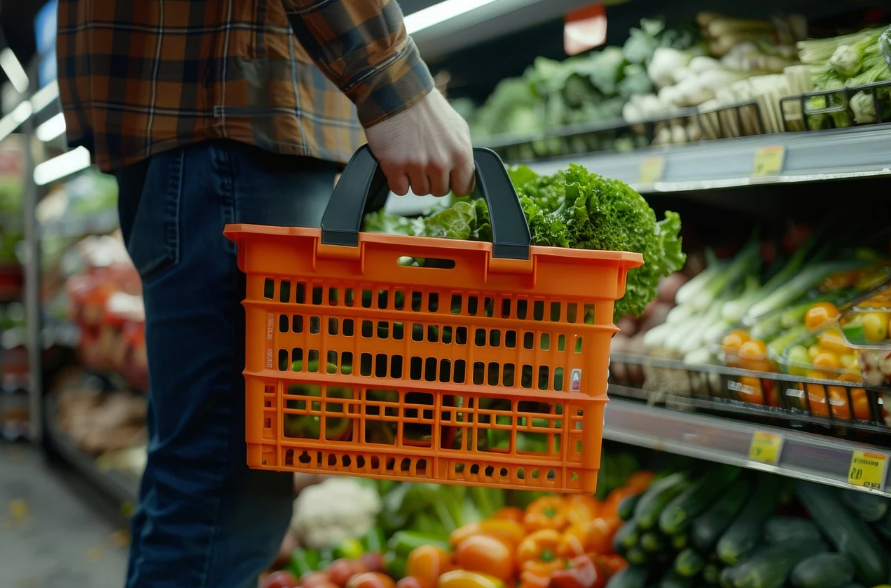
point(770, 567)
point(854, 585)
point(710, 525)
point(745, 532)
point(626, 537)
point(679, 513)
point(779, 530)
point(680, 541)
point(630, 577)
point(636, 556)
point(657, 497)
point(825, 570)
point(869, 507)
point(711, 573)
point(652, 541)
point(884, 526)
point(688, 563)
point(672, 579)
point(626, 507)
point(850, 534)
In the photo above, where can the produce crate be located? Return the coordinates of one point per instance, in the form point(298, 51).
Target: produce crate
point(818, 110)
point(483, 364)
point(784, 397)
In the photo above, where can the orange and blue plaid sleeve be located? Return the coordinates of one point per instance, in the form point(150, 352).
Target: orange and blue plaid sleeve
point(362, 46)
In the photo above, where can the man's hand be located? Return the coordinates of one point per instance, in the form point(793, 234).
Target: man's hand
point(426, 147)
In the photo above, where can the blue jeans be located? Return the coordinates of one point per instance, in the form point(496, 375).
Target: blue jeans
point(204, 519)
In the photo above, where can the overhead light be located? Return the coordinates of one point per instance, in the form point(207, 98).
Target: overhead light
point(61, 166)
point(51, 129)
point(14, 70)
point(441, 12)
point(11, 121)
point(45, 96)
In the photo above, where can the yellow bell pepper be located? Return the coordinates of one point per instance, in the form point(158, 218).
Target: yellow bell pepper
point(465, 579)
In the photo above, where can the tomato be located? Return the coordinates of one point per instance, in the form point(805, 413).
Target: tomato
point(818, 401)
point(731, 344)
point(408, 582)
point(371, 580)
point(753, 356)
point(280, 579)
point(833, 340)
point(426, 564)
point(342, 570)
point(510, 531)
point(488, 555)
point(315, 579)
point(859, 397)
point(373, 561)
point(750, 390)
point(820, 315)
point(813, 351)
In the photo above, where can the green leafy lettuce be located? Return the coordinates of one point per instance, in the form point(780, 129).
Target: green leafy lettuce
point(575, 209)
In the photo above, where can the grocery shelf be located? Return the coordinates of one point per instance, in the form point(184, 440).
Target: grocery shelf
point(860, 152)
point(74, 227)
point(805, 456)
point(121, 488)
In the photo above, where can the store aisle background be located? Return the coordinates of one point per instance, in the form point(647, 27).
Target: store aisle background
point(49, 536)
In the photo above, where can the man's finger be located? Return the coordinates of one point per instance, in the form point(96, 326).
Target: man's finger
point(420, 185)
point(398, 182)
point(439, 182)
point(463, 180)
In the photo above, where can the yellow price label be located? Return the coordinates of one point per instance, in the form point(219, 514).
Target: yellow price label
point(769, 161)
point(766, 447)
point(652, 169)
point(868, 469)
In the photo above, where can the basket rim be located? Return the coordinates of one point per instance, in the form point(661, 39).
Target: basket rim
point(237, 230)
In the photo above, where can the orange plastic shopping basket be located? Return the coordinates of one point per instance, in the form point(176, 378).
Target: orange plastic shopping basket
point(484, 364)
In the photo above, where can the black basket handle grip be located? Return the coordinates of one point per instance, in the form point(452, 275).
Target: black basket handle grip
point(363, 183)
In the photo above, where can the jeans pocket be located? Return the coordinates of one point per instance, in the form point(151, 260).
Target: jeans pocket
point(154, 243)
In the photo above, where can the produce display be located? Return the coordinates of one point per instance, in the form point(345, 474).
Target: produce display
point(692, 524)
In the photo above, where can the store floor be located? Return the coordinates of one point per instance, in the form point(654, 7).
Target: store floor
point(50, 536)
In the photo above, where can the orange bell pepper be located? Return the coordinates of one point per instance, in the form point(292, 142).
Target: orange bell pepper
point(529, 579)
point(600, 534)
point(547, 512)
point(640, 481)
point(581, 508)
point(541, 545)
point(506, 530)
point(612, 563)
point(465, 579)
point(574, 541)
point(510, 513)
point(487, 555)
point(544, 568)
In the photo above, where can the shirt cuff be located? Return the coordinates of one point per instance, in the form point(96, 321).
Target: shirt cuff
point(392, 87)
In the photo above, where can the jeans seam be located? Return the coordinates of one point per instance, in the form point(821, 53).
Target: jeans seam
point(173, 207)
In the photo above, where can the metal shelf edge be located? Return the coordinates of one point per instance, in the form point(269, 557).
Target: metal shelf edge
point(804, 456)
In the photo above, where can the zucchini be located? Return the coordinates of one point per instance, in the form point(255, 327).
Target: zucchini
point(710, 525)
point(652, 541)
point(626, 507)
point(710, 573)
point(854, 585)
point(636, 556)
point(850, 534)
point(779, 530)
point(824, 570)
point(869, 507)
point(689, 562)
point(679, 513)
point(672, 579)
point(770, 567)
point(746, 531)
point(657, 497)
point(630, 577)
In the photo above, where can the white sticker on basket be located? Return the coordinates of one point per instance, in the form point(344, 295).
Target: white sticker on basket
point(575, 381)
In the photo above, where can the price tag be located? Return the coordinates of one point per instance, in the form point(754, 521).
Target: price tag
point(651, 169)
point(769, 161)
point(766, 447)
point(868, 469)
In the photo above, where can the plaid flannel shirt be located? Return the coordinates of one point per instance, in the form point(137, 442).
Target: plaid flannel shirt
point(137, 77)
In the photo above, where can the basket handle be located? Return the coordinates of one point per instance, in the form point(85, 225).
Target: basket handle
point(363, 181)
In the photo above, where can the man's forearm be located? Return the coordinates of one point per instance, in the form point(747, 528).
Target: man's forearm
point(362, 46)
